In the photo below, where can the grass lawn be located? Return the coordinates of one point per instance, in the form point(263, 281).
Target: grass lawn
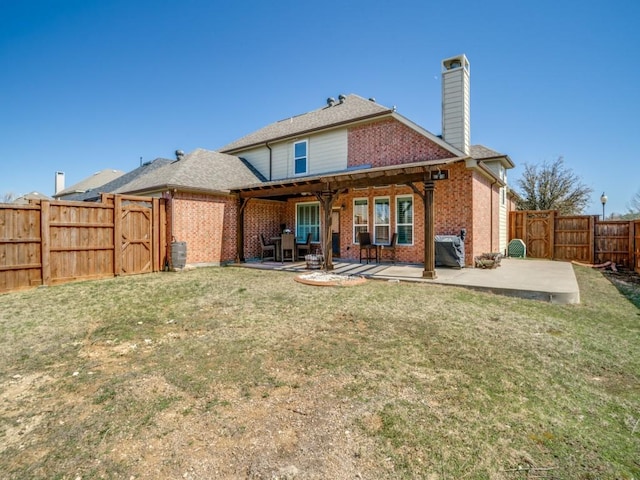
point(242, 373)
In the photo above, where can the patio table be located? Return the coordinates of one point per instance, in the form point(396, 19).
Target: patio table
point(276, 241)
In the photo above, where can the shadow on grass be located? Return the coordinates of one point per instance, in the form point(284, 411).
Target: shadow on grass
point(627, 282)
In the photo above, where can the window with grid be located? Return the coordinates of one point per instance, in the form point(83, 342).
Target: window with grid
point(308, 221)
point(360, 217)
point(404, 220)
point(382, 218)
point(300, 157)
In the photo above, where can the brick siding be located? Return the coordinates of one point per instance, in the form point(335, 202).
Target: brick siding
point(389, 142)
point(207, 223)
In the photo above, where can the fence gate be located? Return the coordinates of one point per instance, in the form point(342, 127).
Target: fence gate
point(539, 234)
point(136, 249)
point(52, 242)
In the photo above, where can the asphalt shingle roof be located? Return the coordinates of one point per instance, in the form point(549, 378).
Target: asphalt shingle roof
point(203, 170)
point(480, 152)
point(351, 109)
point(94, 181)
point(121, 181)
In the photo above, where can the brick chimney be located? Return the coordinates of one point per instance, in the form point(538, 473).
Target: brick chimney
point(455, 102)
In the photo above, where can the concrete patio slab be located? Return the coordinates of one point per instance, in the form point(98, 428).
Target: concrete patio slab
point(543, 280)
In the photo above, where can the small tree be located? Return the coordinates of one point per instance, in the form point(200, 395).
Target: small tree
point(634, 208)
point(552, 187)
point(8, 197)
point(634, 204)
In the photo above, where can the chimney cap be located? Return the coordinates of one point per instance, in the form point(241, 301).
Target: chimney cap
point(453, 63)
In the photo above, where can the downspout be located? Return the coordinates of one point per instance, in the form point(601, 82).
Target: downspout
point(270, 161)
point(491, 210)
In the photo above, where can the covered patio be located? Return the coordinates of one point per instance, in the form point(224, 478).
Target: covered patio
point(328, 188)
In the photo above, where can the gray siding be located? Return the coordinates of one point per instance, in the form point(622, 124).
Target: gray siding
point(327, 152)
point(259, 158)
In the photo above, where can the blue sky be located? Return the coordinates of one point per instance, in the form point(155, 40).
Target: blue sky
point(94, 84)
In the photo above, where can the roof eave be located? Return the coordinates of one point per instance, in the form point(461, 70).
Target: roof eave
point(426, 133)
point(177, 188)
point(377, 172)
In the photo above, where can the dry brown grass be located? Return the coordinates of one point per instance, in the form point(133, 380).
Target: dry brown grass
point(238, 373)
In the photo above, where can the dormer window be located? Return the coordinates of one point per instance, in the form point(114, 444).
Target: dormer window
point(300, 157)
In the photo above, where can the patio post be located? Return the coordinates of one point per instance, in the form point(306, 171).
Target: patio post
point(242, 203)
point(429, 231)
point(326, 199)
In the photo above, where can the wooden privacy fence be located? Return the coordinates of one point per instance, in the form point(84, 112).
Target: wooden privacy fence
point(583, 238)
point(51, 242)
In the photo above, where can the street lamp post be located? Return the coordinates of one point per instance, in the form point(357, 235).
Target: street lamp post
point(603, 199)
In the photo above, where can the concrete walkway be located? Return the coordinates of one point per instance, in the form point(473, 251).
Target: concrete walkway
point(544, 280)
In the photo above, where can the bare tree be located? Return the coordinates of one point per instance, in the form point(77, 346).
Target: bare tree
point(634, 204)
point(552, 186)
point(8, 197)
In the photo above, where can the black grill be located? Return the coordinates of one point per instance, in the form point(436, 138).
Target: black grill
point(450, 250)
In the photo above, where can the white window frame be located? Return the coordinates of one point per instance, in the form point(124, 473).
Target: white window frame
point(405, 224)
point(378, 221)
point(315, 228)
point(305, 157)
point(360, 226)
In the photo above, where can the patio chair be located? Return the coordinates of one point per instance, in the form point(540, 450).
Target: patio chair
point(268, 250)
point(288, 244)
point(364, 238)
point(303, 249)
point(390, 248)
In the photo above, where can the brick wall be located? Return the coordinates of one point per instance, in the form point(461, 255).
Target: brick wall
point(389, 142)
point(486, 211)
point(207, 223)
point(262, 217)
point(452, 198)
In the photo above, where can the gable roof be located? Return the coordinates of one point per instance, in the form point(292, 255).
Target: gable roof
point(94, 181)
point(121, 181)
point(351, 109)
point(201, 170)
point(24, 199)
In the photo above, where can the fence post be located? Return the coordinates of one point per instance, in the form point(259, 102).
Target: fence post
point(632, 258)
point(592, 238)
point(45, 242)
point(155, 235)
point(552, 234)
point(117, 235)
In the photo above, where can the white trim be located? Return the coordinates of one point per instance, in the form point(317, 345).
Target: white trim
point(412, 224)
point(375, 238)
point(354, 232)
point(308, 204)
point(306, 157)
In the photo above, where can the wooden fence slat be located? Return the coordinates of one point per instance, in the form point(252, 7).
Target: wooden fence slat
point(117, 235)
point(45, 245)
point(52, 242)
point(583, 238)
